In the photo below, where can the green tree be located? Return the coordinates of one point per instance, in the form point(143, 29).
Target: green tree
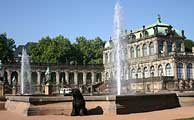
point(7, 47)
point(97, 46)
point(90, 51)
point(48, 50)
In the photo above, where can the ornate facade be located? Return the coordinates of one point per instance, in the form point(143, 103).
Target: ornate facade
point(156, 59)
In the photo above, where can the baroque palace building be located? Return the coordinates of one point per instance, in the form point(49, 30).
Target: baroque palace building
point(156, 59)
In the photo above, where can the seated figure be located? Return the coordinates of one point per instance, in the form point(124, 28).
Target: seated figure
point(78, 103)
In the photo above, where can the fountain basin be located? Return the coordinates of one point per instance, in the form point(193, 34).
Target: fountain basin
point(106, 104)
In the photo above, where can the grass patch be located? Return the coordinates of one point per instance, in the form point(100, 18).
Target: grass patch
point(186, 118)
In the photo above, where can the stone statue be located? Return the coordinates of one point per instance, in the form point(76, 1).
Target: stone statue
point(78, 103)
point(47, 76)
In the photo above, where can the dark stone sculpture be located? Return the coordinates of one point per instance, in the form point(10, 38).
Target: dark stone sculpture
point(78, 103)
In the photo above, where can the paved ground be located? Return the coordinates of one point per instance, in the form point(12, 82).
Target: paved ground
point(170, 114)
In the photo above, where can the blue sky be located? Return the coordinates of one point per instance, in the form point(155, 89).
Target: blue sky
point(29, 20)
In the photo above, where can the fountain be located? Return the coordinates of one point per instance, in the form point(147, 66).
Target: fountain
point(110, 104)
point(26, 83)
point(119, 47)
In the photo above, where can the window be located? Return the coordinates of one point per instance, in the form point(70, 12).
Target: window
point(133, 74)
point(180, 71)
point(146, 34)
point(139, 74)
point(106, 58)
point(151, 48)
point(160, 47)
point(178, 46)
point(146, 75)
point(160, 70)
point(168, 70)
point(132, 52)
point(152, 71)
point(169, 47)
point(189, 71)
point(138, 51)
point(144, 50)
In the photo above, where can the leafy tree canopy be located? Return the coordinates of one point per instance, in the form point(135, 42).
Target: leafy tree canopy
point(7, 47)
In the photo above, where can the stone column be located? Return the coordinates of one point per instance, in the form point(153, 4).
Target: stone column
point(184, 71)
point(76, 78)
point(156, 47)
point(165, 50)
point(84, 78)
point(38, 77)
point(141, 50)
point(67, 77)
point(93, 77)
point(57, 77)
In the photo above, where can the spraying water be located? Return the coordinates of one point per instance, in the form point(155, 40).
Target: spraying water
point(26, 85)
point(119, 47)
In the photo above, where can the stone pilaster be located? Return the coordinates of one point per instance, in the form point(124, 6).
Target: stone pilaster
point(156, 47)
point(184, 71)
point(165, 48)
point(174, 66)
point(135, 51)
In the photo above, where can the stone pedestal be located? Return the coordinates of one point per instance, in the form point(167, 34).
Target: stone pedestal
point(14, 91)
point(48, 89)
point(1, 89)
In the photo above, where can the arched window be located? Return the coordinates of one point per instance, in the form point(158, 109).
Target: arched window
point(178, 46)
point(139, 74)
point(133, 74)
point(180, 71)
point(160, 70)
point(189, 71)
point(144, 50)
point(138, 51)
point(152, 71)
point(145, 71)
point(151, 47)
point(132, 52)
point(168, 70)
